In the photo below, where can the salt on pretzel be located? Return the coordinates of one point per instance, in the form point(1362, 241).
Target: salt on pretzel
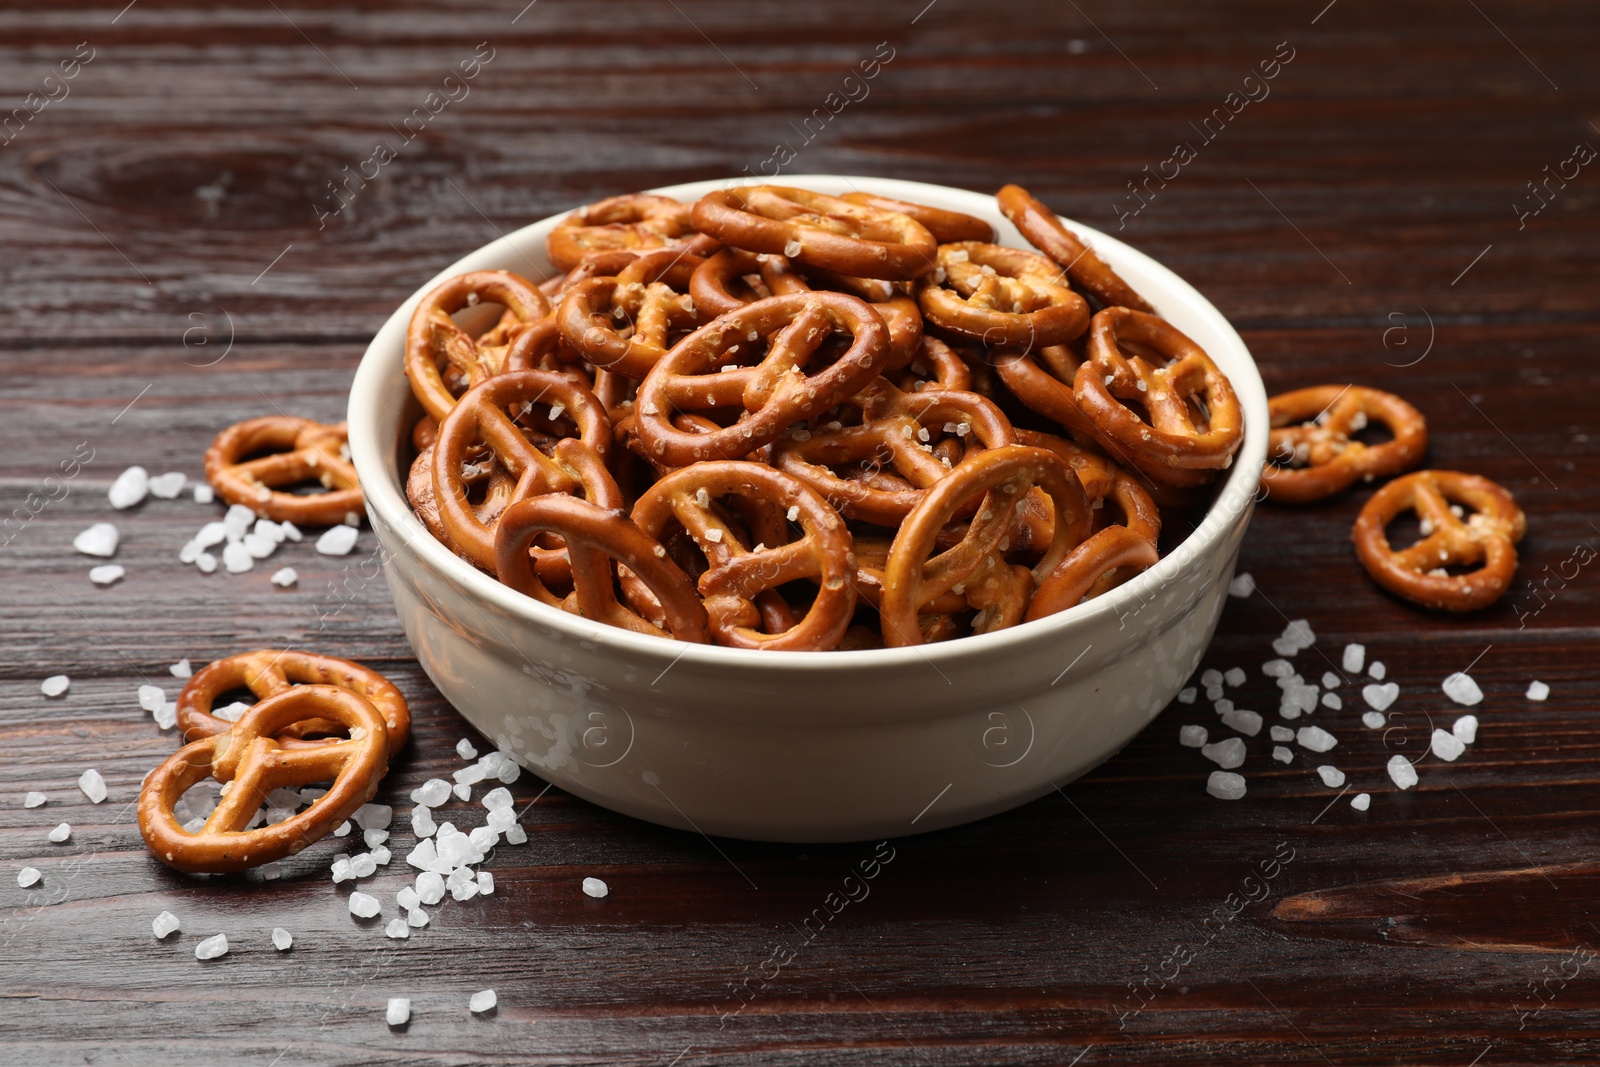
point(594, 537)
point(1001, 296)
point(818, 230)
point(1482, 544)
point(740, 573)
point(1045, 231)
point(489, 487)
point(435, 341)
point(268, 672)
point(1313, 454)
point(250, 763)
point(633, 222)
point(946, 226)
point(622, 324)
point(300, 452)
point(768, 397)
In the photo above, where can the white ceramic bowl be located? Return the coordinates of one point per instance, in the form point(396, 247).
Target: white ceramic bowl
point(805, 746)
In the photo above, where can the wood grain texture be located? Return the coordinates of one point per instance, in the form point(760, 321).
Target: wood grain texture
point(169, 200)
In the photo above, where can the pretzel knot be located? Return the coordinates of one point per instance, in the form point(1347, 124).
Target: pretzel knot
point(976, 566)
point(770, 396)
point(739, 575)
point(818, 230)
point(635, 222)
point(1001, 296)
point(623, 323)
point(300, 451)
point(481, 421)
point(946, 226)
point(437, 346)
point(1104, 482)
point(1195, 423)
point(1045, 231)
point(269, 672)
point(594, 537)
point(1482, 545)
point(250, 764)
point(1312, 453)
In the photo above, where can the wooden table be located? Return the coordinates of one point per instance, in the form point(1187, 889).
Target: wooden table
point(165, 273)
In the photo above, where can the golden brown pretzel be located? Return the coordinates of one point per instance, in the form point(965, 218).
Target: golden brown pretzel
point(250, 764)
point(481, 418)
point(934, 366)
point(490, 490)
point(1103, 480)
point(434, 341)
point(1045, 231)
point(770, 396)
point(634, 222)
point(1311, 453)
point(818, 230)
point(1002, 296)
point(622, 323)
point(1485, 541)
point(268, 672)
point(594, 537)
point(302, 451)
point(946, 226)
point(1182, 436)
point(739, 573)
point(1103, 562)
point(1002, 477)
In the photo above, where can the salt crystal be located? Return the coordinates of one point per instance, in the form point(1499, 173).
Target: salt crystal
point(422, 822)
point(259, 547)
point(1242, 585)
point(1330, 680)
point(181, 669)
point(60, 833)
point(1315, 738)
point(1538, 691)
point(1299, 631)
point(364, 905)
point(463, 791)
point(129, 488)
point(1234, 677)
point(212, 533)
point(485, 883)
point(1466, 728)
point(34, 799)
point(1225, 754)
point(1332, 702)
point(484, 838)
point(237, 521)
point(290, 531)
point(203, 494)
point(341, 870)
point(1379, 697)
point(1462, 689)
point(106, 574)
point(1214, 692)
point(151, 697)
point(1211, 677)
point(1222, 706)
point(164, 924)
point(1377, 670)
point(398, 1013)
point(1277, 668)
point(1187, 695)
point(374, 838)
point(465, 749)
point(237, 558)
point(432, 793)
point(416, 918)
point(397, 928)
point(1447, 746)
point(465, 890)
point(381, 855)
point(282, 939)
point(1331, 776)
point(1281, 733)
point(501, 820)
point(337, 540)
point(362, 865)
point(1191, 736)
point(430, 887)
point(232, 712)
point(1372, 720)
point(374, 816)
point(1403, 773)
point(1354, 656)
point(93, 786)
point(1361, 801)
point(1281, 754)
point(27, 876)
point(482, 1001)
point(98, 540)
point(206, 562)
point(268, 530)
point(343, 829)
point(54, 685)
point(499, 797)
point(271, 872)
point(469, 775)
point(212, 947)
point(516, 835)
point(1246, 722)
point(1225, 785)
point(167, 486)
point(793, 514)
point(594, 887)
point(407, 898)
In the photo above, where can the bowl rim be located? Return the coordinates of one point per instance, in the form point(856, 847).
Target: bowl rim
point(385, 496)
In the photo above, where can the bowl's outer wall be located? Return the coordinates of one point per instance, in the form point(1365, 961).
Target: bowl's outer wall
point(806, 747)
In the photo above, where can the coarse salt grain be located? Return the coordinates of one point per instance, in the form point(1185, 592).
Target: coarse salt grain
point(1466, 728)
point(463, 791)
point(27, 876)
point(397, 928)
point(1460, 688)
point(1331, 776)
point(282, 939)
point(1281, 733)
point(1225, 754)
point(364, 905)
point(129, 488)
point(1246, 722)
point(343, 829)
point(1330, 680)
point(465, 749)
point(54, 685)
point(1281, 754)
point(1277, 668)
point(1211, 677)
point(482, 1001)
point(594, 887)
point(398, 1012)
point(1242, 585)
point(1372, 720)
point(422, 824)
point(237, 520)
point(430, 887)
point(1234, 677)
point(236, 558)
point(1331, 701)
point(1447, 746)
point(93, 786)
point(212, 947)
point(1361, 801)
point(59, 834)
point(1225, 785)
point(165, 924)
point(106, 574)
point(1402, 772)
point(98, 540)
point(181, 669)
point(485, 883)
point(203, 494)
point(1537, 691)
point(284, 577)
point(1315, 738)
point(1379, 697)
point(1187, 695)
point(1377, 670)
point(167, 486)
point(34, 799)
point(1191, 736)
point(1354, 657)
point(206, 562)
point(337, 540)
point(151, 697)
point(432, 793)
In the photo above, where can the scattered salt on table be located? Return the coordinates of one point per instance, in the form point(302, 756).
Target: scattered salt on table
point(1403, 773)
point(212, 947)
point(27, 876)
point(1466, 728)
point(1242, 585)
point(164, 924)
point(465, 749)
point(284, 577)
point(1379, 697)
point(1462, 689)
point(482, 1001)
point(1355, 656)
point(34, 799)
point(106, 574)
point(397, 928)
point(1315, 738)
point(1246, 722)
point(60, 833)
point(93, 786)
point(151, 697)
point(1281, 733)
point(1373, 720)
point(1225, 754)
point(1281, 754)
point(398, 1013)
point(1447, 746)
point(337, 540)
point(1191, 736)
point(594, 887)
point(129, 488)
point(1225, 785)
point(282, 939)
point(54, 685)
point(98, 540)
point(1331, 776)
point(181, 669)
point(1538, 691)
point(1361, 801)
point(364, 906)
